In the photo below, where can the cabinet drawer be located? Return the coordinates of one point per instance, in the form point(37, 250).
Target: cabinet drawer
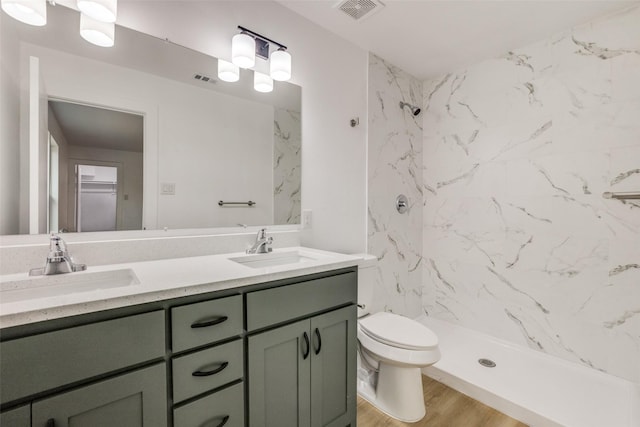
point(205, 322)
point(276, 305)
point(213, 409)
point(207, 369)
point(41, 362)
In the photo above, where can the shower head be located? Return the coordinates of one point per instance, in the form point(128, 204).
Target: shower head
point(414, 110)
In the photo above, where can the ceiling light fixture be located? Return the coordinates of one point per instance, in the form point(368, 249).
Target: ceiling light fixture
point(97, 32)
point(32, 12)
point(100, 10)
point(249, 44)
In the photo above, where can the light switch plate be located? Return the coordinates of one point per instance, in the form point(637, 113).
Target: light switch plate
point(306, 218)
point(168, 188)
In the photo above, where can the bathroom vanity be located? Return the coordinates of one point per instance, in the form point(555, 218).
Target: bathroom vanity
point(273, 346)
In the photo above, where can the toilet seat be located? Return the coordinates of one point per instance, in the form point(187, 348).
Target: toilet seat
point(398, 331)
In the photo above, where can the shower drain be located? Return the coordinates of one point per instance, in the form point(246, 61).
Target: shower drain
point(487, 363)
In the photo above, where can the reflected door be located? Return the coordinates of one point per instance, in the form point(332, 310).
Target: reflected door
point(96, 197)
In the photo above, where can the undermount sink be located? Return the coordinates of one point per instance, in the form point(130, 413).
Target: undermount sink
point(63, 284)
point(273, 259)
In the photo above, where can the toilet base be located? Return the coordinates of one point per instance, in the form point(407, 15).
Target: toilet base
point(398, 393)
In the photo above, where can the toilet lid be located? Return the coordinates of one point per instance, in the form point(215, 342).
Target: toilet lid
point(398, 331)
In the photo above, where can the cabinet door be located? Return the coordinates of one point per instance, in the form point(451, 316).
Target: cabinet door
point(333, 368)
point(136, 399)
point(18, 417)
point(279, 377)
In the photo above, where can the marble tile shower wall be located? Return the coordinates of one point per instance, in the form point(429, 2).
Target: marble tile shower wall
point(286, 166)
point(518, 240)
point(394, 167)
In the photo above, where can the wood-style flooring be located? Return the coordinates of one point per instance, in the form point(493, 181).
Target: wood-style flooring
point(446, 407)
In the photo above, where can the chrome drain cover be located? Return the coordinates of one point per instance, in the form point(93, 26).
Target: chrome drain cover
point(487, 363)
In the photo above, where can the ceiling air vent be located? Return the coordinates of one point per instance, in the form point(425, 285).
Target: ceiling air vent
point(359, 9)
point(204, 78)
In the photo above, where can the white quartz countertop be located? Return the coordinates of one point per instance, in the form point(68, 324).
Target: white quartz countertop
point(153, 281)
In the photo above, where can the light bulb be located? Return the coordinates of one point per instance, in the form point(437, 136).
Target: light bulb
point(280, 65)
point(227, 71)
point(97, 32)
point(32, 12)
point(243, 50)
point(262, 82)
point(100, 10)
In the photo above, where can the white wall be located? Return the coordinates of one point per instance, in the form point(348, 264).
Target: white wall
point(332, 73)
point(518, 240)
point(9, 130)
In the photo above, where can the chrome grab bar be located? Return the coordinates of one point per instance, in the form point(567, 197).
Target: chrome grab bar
point(621, 195)
point(249, 203)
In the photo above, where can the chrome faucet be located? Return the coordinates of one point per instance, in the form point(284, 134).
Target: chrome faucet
point(262, 244)
point(59, 260)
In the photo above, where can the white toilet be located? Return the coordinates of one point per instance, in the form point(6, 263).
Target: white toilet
point(392, 349)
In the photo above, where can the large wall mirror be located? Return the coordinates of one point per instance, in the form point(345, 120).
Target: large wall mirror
point(138, 136)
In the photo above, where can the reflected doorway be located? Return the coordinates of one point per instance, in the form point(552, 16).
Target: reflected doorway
point(99, 170)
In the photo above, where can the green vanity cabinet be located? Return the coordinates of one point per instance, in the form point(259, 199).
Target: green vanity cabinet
point(280, 353)
point(136, 399)
point(303, 373)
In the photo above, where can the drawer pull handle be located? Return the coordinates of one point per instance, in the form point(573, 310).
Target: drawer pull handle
point(212, 372)
point(317, 332)
point(307, 350)
point(204, 324)
point(222, 423)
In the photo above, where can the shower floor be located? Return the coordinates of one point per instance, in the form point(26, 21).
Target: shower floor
point(533, 387)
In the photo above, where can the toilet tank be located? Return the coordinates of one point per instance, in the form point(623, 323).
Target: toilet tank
point(366, 278)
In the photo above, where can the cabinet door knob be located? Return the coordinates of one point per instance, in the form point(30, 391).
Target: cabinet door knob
point(317, 332)
point(199, 373)
point(205, 323)
point(307, 350)
point(51, 423)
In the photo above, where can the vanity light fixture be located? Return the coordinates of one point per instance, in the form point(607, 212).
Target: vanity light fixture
point(249, 44)
point(32, 12)
point(262, 82)
point(97, 32)
point(100, 10)
point(228, 72)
